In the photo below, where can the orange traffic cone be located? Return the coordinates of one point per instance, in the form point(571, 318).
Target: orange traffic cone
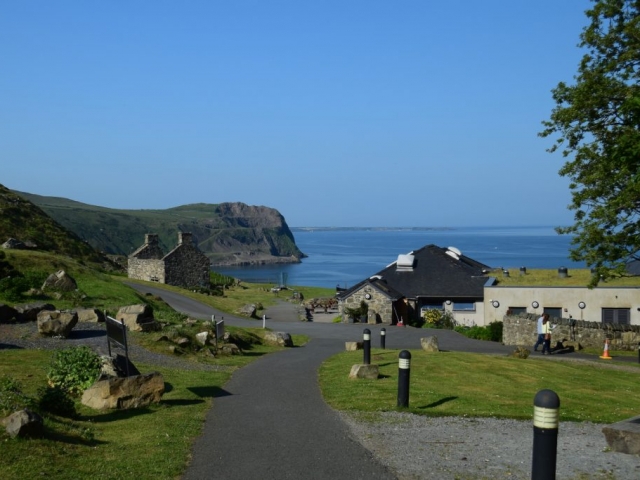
point(605, 354)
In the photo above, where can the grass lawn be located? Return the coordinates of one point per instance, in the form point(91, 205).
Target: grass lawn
point(153, 442)
point(473, 385)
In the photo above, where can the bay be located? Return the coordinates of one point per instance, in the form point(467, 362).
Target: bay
point(344, 257)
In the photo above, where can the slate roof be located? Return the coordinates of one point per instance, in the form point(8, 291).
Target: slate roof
point(435, 274)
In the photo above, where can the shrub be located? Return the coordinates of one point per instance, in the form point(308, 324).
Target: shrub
point(55, 400)
point(491, 332)
point(11, 396)
point(434, 318)
point(74, 369)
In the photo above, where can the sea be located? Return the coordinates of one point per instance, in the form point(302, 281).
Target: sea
point(344, 257)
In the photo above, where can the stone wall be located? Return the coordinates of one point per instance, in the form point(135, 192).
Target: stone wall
point(186, 266)
point(522, 330)
point(148, 270)
point(380, 306)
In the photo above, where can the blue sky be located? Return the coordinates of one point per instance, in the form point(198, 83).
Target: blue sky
point(336, 113)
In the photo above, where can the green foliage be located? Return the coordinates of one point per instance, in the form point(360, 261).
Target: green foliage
point(55, 400)
point(596, 123)
point(356, 313)
point(434, 318)
point(74, 369)
point(11, 396)
point(491, 332)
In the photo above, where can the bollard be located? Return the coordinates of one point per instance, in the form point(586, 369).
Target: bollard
point(404, 370)
point(383, 336)
point(638, 352)
point(264, 321)
point(546, 408)
point(366, 346)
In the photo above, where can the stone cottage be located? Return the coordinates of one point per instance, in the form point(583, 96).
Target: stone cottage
point(184, 266)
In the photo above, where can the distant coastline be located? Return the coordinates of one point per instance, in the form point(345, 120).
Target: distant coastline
point(369, 229)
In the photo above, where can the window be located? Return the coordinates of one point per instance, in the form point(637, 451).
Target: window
point(518, 310)
point(554, 312)
point(621, 316)
point(431, 306)
point(464, 306)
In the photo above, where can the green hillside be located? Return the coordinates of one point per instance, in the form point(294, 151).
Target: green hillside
point(228, 233)
point(22, 220)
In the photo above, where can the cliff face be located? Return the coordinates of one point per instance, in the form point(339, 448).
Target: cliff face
point(228, 233)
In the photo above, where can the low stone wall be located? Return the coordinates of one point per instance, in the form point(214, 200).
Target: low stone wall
point(522, 330)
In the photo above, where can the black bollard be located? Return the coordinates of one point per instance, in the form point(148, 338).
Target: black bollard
point(546, 408)
point(404, 370)
point(366, 346)
point(638, 352)
point(383, 336)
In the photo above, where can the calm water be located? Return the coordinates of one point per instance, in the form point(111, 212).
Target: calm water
point(346, 257)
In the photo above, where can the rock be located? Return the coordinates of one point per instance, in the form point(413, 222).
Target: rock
point(230, 349)
point(117, 366)
point(203, 338)
point(14, 244)
point(30, 311)
point(56, 323)
point(9, 314)
point(353, 346)
point(90, 315)
point(248, 310)
point(125, 393)
point(137, 318)
point(521, 352)
point(624, 436)
point(24, 424)
point(429, 344)
point(278, 338)
point(182, 342)
point(60, 281)
point(364, 371)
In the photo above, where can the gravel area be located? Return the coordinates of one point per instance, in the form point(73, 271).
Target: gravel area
point(418, 447)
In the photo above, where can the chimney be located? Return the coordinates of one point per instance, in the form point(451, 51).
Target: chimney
point(151, 238)
point(185, 238)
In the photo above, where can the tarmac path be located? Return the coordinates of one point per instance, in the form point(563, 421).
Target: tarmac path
point(271, 422)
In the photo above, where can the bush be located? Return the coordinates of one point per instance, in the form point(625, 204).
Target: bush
point(434, 318)
point(74, 369)
point(55, 400)
point(491, 332)
point(11, 397)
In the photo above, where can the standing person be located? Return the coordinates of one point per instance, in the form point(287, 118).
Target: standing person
point(546, 330)
point(540, 340)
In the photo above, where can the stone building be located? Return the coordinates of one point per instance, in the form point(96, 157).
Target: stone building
point(184, 266)
point(432, 277)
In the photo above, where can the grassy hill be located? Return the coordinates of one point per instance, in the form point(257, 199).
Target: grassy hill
point(228, 233)
point(22, 220)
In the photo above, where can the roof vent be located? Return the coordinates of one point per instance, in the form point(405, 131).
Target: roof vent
point(405, 263)
point(375, 277)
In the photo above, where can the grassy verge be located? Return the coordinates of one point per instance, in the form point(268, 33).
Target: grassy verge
point(465, 384)
point(152, 442)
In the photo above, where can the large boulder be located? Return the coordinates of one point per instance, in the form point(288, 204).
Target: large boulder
point(370, 372)
point(56, 323)
point(137, 318)
point(30, 311)
point(430, 344)
point(8, 314)
point(60, 281)
point(624, 436)
point(282, 339)
point(248, 310)
point(14, 244)
point(125, 393)
point(24, 424)
point(90, 315)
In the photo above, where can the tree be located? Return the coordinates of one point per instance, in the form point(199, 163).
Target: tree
point(597, 124)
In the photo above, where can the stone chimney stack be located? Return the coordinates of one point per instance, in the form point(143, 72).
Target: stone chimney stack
point(185, 238)
point(151, 238)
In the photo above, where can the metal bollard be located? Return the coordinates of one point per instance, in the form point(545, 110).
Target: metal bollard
point(366, 346)
point(264, 321)
point(404, 371)
point(383, 336)
point(546, 408)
